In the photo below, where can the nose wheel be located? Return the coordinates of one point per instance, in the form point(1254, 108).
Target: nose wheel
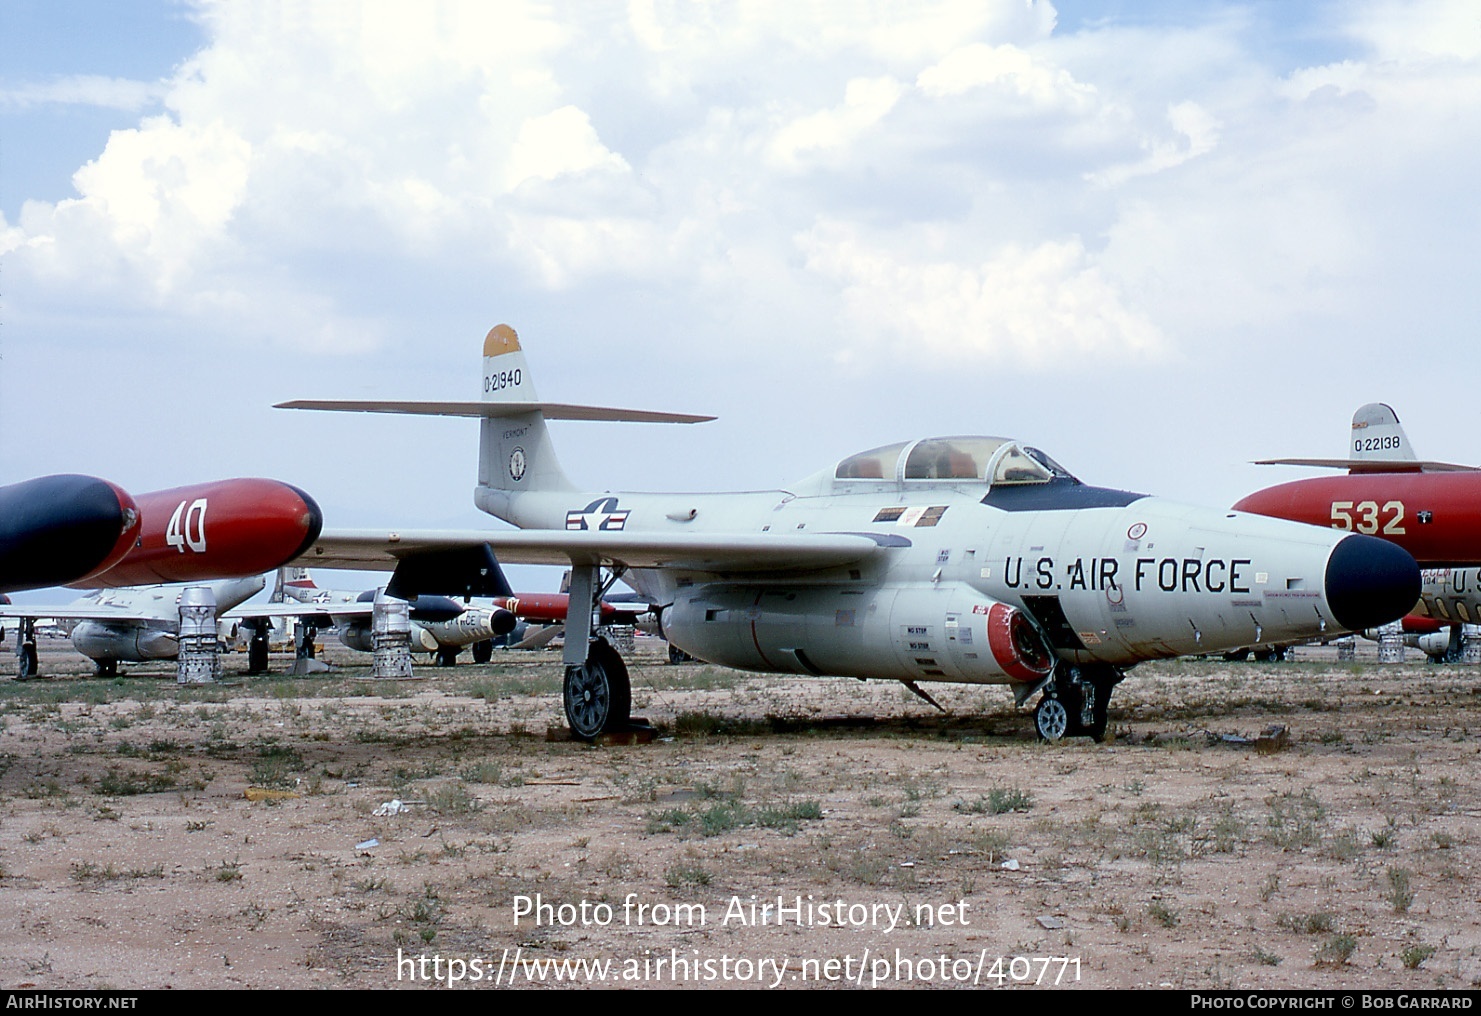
point(597, 693)
point(1077, 703)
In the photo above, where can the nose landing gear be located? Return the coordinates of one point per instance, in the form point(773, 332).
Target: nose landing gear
point(1076, 702)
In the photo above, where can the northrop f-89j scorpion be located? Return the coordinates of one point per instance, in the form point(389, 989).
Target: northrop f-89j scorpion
point(957, 559)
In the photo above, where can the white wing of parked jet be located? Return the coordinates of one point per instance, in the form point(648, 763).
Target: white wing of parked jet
point(381, 549)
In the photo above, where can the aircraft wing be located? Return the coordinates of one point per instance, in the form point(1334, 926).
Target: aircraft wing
point(735, 553)
point(333, 613)
point(91, 612)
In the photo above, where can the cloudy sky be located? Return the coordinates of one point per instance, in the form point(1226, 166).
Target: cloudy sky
point(1157, 240)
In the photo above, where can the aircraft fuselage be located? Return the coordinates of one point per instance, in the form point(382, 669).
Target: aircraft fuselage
point(1107, 576)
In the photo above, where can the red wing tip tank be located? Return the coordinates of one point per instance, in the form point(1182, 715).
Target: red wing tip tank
point(976, 560)
point(221, 529)
point(60, 529)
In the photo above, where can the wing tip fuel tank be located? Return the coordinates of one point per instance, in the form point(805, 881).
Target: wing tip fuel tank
point(57, 529)
point(218, 529)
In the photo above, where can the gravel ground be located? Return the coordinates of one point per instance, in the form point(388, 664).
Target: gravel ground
point(154, 836)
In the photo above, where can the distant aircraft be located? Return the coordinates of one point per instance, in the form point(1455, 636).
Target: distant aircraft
point(439, 625)
point(1431, 509)
point(960, 559)
point(60, 529)
point(113, 626)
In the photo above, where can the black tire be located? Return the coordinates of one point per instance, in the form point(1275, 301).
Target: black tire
point(1236, 656)
point(256, 656)
point(27, 664)
point(483, 651)
point(105, 668)
point(448, 657)
point(598, 693)
point(677, 655)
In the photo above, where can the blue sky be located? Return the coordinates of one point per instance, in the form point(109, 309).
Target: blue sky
point(1157, 240)
point(42, 143)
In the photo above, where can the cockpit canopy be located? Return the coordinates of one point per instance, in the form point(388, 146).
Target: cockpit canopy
point(990, 460)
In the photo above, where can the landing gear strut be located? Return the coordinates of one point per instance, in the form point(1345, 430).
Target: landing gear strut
point(597, 693)
point(1076, 702)
point(27, 665)
point(483, 651)
point(257, 648)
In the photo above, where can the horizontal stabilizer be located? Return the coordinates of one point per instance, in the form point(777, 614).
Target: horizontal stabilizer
point(1374, 465)
point(550, 410)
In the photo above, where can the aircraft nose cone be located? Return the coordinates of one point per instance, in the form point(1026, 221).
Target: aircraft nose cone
point(1370, 582)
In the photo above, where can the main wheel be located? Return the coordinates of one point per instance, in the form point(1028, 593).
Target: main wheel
point(1051, 719)
point(27, 664)
point(448, 657)
point(105, 668)
point(483, 651)
point(597, 694)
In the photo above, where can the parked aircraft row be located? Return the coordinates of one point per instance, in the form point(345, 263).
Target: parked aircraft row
point(968, 559)
point(137, 625)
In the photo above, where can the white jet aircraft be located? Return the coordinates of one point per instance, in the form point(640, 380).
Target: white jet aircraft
point(132, 624)
point(959, 559)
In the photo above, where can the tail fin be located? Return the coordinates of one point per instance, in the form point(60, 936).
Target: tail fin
point(1379, 445)
point(293, 584)
point(514, 452)
point(1377, 437)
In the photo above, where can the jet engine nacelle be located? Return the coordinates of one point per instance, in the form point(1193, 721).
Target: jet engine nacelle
point(474, 624)
point(1436, 644)
point(126, 643)
point(357, 636)
point(935, 632)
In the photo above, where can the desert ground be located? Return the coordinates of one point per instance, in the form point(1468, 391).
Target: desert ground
point(245, 833)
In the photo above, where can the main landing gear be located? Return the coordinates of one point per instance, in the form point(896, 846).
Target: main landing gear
point(1076, 702)
point(258, 644)
point(597, 693)
point(27, 665)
